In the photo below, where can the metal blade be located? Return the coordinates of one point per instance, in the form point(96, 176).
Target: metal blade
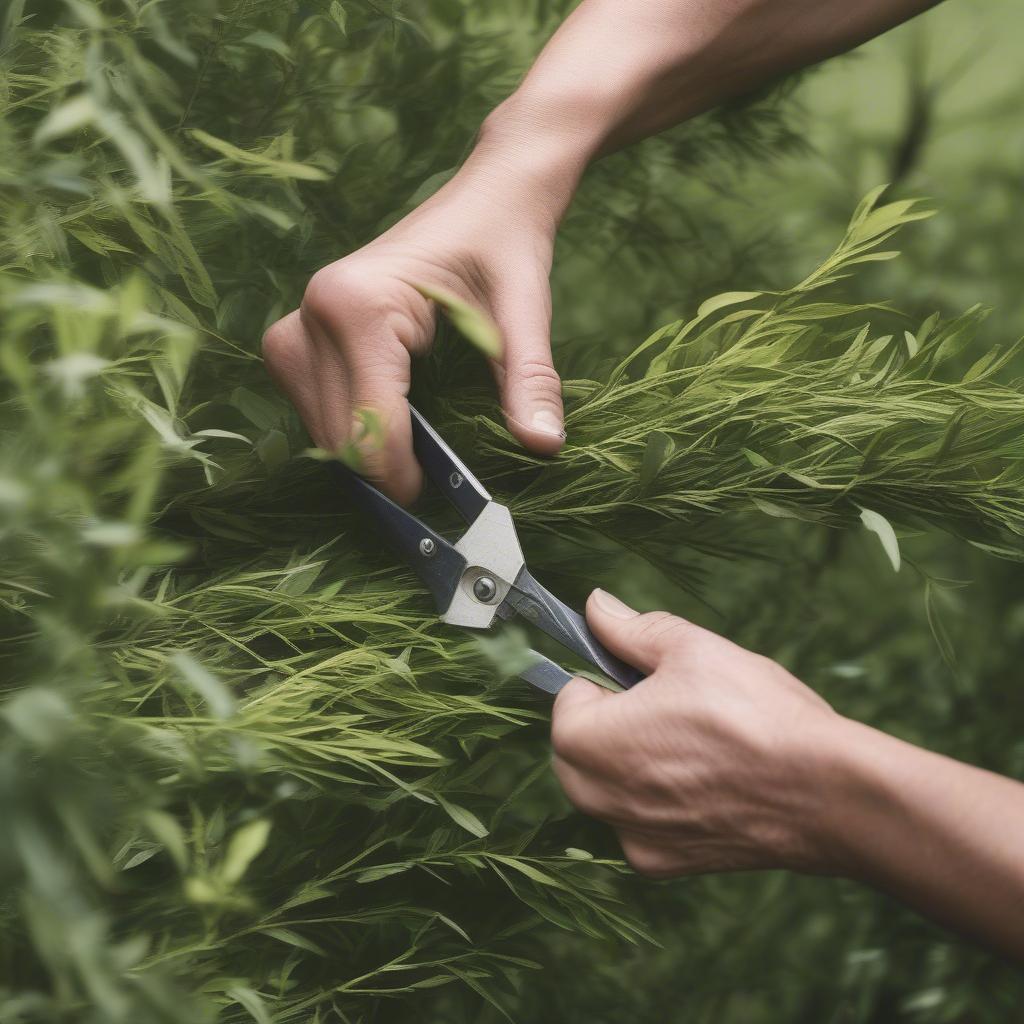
point(544, 674)
point(538, 605)
point(428, 554)
point(447, 471)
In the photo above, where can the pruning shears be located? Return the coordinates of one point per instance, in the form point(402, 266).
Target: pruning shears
point(482, 578)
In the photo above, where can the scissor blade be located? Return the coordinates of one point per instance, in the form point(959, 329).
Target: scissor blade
point(544, 674)
point(538, 605)
point(428, 554)
point(447, 471)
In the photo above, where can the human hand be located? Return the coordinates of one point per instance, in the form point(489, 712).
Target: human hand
point(486, 236)
point(715, 762)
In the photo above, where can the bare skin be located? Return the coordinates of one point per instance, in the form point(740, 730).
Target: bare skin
point(723, 761)
point(615, 71)
point(720, 760)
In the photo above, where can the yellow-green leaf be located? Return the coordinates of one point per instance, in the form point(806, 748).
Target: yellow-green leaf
point(260, 164)
point(169, 834)
point(474, 324)
point(717, 302)
point(243, 848)
point(882, 528)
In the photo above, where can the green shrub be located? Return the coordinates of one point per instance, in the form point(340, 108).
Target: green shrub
point(245, 773)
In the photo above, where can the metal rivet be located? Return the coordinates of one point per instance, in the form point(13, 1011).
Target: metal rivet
point(485, 589)
point(455, 479)
point(427, 547)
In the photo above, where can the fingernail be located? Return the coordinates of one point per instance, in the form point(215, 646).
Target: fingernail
point(547, 422)
point(612, 605)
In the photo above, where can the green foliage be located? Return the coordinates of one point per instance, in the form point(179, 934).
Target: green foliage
point(246, 775)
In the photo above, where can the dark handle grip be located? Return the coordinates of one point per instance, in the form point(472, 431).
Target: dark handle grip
point(538, 605)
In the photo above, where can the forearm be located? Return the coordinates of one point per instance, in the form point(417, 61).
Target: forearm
point(945, 837)
point(617, 71)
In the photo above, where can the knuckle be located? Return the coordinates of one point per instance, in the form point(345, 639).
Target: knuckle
point(412, 324)
point(339, 290)
point(538, 376)
point(380, 372)
point(282, 348)
point(663, 631)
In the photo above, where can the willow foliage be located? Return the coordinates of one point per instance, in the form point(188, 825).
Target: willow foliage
point(245, 774)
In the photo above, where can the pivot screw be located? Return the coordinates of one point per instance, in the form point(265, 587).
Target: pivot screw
point(485, 589)
point(427, 547)
point(455, 480)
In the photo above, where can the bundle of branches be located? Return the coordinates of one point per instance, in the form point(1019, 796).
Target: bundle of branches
point(266, 770)
point(246, 774)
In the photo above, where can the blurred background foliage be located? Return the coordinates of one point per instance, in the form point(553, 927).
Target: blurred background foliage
point(242, 774)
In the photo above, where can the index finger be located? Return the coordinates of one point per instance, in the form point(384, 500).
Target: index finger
point(364, 371)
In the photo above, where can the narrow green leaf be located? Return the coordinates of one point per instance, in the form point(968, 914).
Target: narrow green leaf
point(68, 117)
point(217, 696)
point(243, 848)
point(717, 302)
point(339, 16)
point(474, 324)
point(882, 528)
point(576, 854)
point(264, 40)
point(252, 1002)
point(258, 410)
point(169, 833)
point(756, 459)
point(273, 450)
point(527, 869)
point(258, 163)
point(299, 579)
point(658, 451)
point(293, 938)
point(435, 981)
point(384, 871)
point(463, 818)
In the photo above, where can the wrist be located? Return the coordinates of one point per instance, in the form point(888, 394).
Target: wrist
point(529, 162)
point(857, 805)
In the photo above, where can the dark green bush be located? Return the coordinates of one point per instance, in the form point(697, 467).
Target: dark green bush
point(245, 774)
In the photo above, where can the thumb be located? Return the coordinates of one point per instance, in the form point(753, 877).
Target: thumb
point(531, 391)
point(642, 640)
